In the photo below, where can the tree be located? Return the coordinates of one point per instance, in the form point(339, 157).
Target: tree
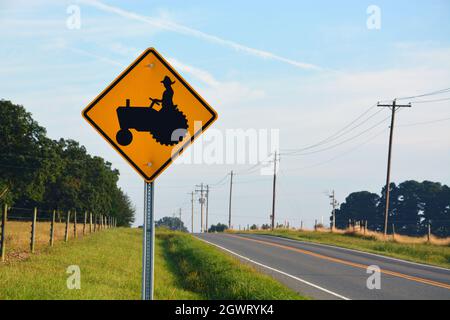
point(413, 207)
point(36, 171)
point(220, 227)
point(359, 206)
point(171, 223)
point(435, 206)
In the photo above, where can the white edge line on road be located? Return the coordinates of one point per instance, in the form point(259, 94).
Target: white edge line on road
point(357, 251)
point(276, 270)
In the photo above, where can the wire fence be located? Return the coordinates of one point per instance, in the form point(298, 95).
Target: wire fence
point(402, 231)
point(24, 230)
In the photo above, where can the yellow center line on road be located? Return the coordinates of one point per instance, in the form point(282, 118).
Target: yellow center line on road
point(348, 263)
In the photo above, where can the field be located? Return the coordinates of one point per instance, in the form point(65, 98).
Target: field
point(110, 265)
point(18, 237)
point(408, 248)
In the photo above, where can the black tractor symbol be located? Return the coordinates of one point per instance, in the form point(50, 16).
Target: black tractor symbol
point(168, 126)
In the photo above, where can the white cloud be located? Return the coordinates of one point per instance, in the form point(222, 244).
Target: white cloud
point(223, 93)
point(165, 24)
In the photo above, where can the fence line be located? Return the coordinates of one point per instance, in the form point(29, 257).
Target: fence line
point(100, 221)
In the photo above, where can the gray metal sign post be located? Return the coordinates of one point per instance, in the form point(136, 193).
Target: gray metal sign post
point(148, 256)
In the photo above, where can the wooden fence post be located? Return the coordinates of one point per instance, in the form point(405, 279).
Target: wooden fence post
point(429, 232)
point(33, 230)
point(75, 225)
point(52, 228)
point(3, 235)
point(84, 223)
point(393, 231)
point(90, 222)
point(66, 235)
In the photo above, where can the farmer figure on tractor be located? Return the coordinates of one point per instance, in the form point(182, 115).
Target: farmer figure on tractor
point(167, 124)
point(167, 102)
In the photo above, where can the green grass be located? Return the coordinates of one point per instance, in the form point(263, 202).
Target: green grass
point(204, 269)
point(438, 255)
point(110, 264)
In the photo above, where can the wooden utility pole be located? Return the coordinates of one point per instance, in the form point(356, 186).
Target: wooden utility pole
point(202, 202)
point(229, 202)
point(274, 189)
point(394, 106)
point(180, 219)
point(333, 203)
point(192, 211)
point(207, 206)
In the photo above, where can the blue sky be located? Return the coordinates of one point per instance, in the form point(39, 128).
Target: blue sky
point(325, 68)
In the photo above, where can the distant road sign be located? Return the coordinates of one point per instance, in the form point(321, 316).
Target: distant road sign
point(149, 114)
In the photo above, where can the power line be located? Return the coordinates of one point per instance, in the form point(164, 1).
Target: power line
point(442, 91)
point(254, 167)
point(342, 142)
point(344, 130)
point(423, 123)
point(341, 154)
point(326, 140)
point(431, 101)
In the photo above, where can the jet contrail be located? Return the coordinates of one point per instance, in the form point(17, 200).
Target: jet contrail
point(174, 27)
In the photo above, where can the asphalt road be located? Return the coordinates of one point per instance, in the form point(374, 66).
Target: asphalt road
point(327, 272)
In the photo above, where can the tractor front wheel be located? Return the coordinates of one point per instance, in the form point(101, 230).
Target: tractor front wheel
point(124, 137)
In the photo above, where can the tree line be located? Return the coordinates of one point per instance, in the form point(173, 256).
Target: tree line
point(413, 207)
point(36, 171)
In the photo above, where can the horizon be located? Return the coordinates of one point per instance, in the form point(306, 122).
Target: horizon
point(259, 79)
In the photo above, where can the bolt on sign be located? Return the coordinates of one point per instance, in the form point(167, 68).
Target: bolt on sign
point(149, 114)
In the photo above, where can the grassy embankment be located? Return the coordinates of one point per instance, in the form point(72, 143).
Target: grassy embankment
point(408, 248)
point(110, 264)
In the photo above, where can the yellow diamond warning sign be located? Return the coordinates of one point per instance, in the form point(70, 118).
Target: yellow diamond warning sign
point(149, 114)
